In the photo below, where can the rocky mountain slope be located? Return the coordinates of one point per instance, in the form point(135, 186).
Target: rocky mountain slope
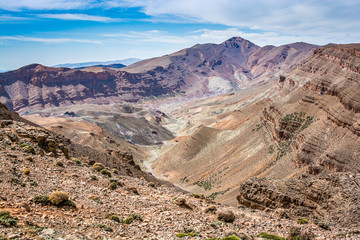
point(302, 131)
point(48, 194)
point(197, 71)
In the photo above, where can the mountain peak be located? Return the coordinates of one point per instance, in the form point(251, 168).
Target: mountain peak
point(236, 42)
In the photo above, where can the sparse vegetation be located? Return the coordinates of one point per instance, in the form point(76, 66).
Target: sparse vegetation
point(95, 199)
point(116, 218)
point(105, 227)
point(41, 199)
point(191, 234)
point(184, 180)
point(128, 220)
point(29, 149)
point(59, 163)
point(6, 219)
point(233, 237)
point(17, 181)
point(32, 182)
point(270, 236)
point(302, 221)
point(113, 185)
point(77, 161)
point(27, 171)
point(98, 167)
point(215, 194)
point(58, 198)
point(105, 172)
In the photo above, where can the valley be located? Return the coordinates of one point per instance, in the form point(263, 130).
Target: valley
point(271, 133)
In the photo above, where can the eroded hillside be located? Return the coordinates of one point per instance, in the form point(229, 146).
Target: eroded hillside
point(305, 126)
point(48, 194)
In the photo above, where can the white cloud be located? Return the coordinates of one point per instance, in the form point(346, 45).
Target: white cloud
point(322, 21)
point(49, 40)
point(80, 17)
point(9, 18)
point(16, 5)
point(154, 36)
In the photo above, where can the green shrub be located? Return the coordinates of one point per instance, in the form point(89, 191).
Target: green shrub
point(136, 216)
point(128, 220)
point(17, 181)
point(105, 172)
point(77, 161)
point(58, 198)
point(105, 227)
point(6, 219)
point(95, 199)
point(29, 149)
point(113, 185)
point(302, 221)
point(59, 163)
point(270, 236)
point(181, 235)
point(232, 237)
point(93, 177)
point(98, 167)
point(32, 182)
point(22, 145)
point(116, 218)
point(42, 199)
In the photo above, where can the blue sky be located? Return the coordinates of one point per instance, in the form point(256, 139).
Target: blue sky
point(52, 32)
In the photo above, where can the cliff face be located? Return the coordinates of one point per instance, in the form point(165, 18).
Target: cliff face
point(37, 86)
point(196, 71)
point(320, 136)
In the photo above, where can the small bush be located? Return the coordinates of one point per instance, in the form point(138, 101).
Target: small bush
point(95, 199)
point(114, 180)
point(116, 218)
point(105, 172)
point(113, 185)
point(22, 145)
point(27, 171)
point(77, 161)
point(136, 216)
point(28, 158)
point(42, 199)
point(58, 198)
point(302, 221)
point(59, 163)
point(128, 220)
point(270, 236)
point(105, 227)
point(6, 219)
point(32, 182)
point(232, 237)
point(323, 225)
point(98, 167)
point(29, 149)
point(191, 234)
point(115, 171)
point(93, 177)
point(17, 181)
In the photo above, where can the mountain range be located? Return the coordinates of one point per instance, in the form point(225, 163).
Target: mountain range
point(200, 70)
point(125, 62)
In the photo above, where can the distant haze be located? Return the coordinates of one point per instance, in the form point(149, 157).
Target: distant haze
point(126, 62)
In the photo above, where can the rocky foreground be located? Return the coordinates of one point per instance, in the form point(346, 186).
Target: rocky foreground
point(48, 196)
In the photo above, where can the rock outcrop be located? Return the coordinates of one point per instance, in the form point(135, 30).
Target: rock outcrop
point(332, 199)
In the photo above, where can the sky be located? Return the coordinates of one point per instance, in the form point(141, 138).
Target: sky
point(53, 32)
